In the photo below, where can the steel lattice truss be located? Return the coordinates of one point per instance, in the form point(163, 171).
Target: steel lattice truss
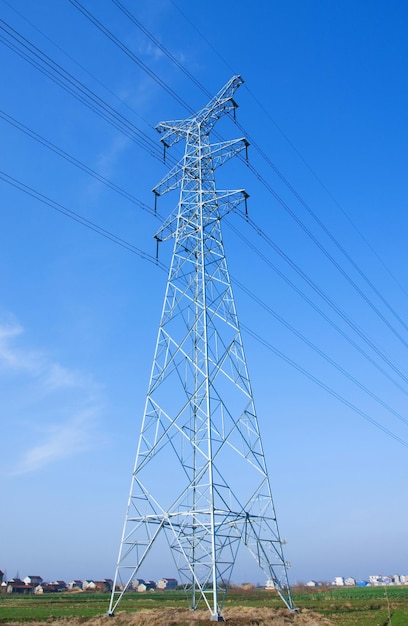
point(200, 476)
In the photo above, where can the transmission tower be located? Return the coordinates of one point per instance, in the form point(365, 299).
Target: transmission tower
point(200, 478)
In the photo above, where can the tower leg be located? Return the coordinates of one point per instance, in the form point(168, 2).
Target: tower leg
point(216, 618)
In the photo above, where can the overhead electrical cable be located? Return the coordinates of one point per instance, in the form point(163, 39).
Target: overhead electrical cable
point(19, 44)
point(161, 47)
point(71, 159)
point(313, 304)
point(130, 54)
point(333, 239)
point(17, 183)
point(318, 351)
point(326, 253)
point(305, 229)
point(131, 248)
point(323, 385)
point(329, 193)
point(251, 167)
point(83, 68)
point(329, 301)
point(207, 41)
point(293, 147)
point(299, 198)
point(56, 206)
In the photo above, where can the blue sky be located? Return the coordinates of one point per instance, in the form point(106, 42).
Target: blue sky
point(325, 98)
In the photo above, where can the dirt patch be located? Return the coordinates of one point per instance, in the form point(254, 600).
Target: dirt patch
point(237, 616)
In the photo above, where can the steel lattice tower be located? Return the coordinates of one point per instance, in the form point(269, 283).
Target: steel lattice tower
point(200, 477)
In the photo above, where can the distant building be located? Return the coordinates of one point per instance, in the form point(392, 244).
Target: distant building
point(167, 584)
point(104, 585)
point(32, 580)
point(350, 581)
point(88, 585)
point(1, 576)
point(55, 587)
point(136, 583)
point(338, 581)
point(75, 585)
point(149, 585)
point(108, 584)
point(16, 585)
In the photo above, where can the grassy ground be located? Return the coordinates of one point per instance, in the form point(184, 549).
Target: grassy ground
point(373, 606)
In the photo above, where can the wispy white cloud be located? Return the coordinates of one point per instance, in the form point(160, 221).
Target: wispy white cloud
point(59, 442)
point(53, 376)
point(74, 419)
point(150, 50)
point(109, 157)
point(9, 355)
point(58, 377)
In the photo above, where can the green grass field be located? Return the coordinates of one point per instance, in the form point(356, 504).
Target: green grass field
point(370, 606)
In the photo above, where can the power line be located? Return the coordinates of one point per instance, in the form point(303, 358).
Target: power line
point(157, 43)
point(323, 385)
point(130, 247)
point(268, 186)
point(130, 54)
point(83, 68)
point(194, 26)
point(331, 237)
point(329, 193)
point(270, 189)
point(76, 217)
point(71, 159)
point(31, 53)
point(294, 148)
point(183, 102)
point(318, 351)
point(276, 170)
point(330, 302)
point(329, 256)
point(311, 303)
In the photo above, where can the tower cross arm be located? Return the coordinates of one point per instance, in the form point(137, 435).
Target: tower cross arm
point(220, 153)
point(225, 150)
point(219, 203)
point(173, 131)
point(205, 118)
point(229, 199)
point(221, 103)
point(171, 180)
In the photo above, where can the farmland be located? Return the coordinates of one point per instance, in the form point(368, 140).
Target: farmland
point(370, 606)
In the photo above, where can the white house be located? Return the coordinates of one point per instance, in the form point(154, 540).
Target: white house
point(88, 585)
point(32, 580)
point(75, 584)
point(166, 583)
